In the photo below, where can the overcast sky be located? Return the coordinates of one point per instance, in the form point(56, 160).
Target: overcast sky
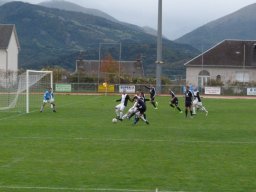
point(179, 16)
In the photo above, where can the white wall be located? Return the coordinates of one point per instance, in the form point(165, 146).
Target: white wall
point(9, 62)
point(2, 60)
point(12, 59)
point(13, 52)
point(227, 74)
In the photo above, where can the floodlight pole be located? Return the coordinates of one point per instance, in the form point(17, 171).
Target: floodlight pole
point(99, 66)
point(244, 63)
point(159, 61)
point(119, 63)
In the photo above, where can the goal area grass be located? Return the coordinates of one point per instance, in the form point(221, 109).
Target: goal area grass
point(80, 149)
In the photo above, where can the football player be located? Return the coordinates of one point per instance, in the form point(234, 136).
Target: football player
point(152, 92)
point(174, 102)
point(133, 109)
point(48, 98)
point(197, 103)
point(141, 109)
point(188, 101)
point(119, 109)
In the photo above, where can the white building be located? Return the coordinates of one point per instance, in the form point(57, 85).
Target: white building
point(9, 50)
point(229, 61)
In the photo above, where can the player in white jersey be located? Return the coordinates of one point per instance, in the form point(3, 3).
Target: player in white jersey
point(131, 112)
point(119, 109)
point(133, 109)
point(197, 103)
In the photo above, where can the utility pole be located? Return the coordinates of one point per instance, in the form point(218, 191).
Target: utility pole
point(159, 61)
point(244, 64)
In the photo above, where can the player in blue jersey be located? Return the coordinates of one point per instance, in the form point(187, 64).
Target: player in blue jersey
point(48, 98)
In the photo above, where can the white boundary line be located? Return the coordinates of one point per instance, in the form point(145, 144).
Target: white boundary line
point(84, 189)
point(131, 140)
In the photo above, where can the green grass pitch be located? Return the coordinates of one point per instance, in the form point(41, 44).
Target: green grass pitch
point(80, 149)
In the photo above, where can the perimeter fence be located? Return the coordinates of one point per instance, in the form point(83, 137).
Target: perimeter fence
point(177, 89)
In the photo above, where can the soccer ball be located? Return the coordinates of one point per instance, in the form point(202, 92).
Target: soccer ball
point(114, 120)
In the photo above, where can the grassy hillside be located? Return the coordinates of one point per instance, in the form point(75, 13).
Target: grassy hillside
point(56, 37)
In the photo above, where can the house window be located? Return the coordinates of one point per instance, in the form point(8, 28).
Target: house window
point(218, 78)
point(203, 78)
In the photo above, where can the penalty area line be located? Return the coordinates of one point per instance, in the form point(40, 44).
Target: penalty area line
point(83, 189)
point(134, 140)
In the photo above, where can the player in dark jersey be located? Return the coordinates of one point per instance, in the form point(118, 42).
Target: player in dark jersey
point(152, 92)
point(141, 109)
point(142, 96)
point(174, 102)
point(188, 101)
point(131, 112)
point(144, 99)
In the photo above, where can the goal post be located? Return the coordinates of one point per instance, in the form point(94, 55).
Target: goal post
point(22, 93)
point(36, 83)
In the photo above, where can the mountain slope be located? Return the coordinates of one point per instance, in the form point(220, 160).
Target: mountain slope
point(56, 37)
point(68, 6)
point(4, 1)
point(238, 25)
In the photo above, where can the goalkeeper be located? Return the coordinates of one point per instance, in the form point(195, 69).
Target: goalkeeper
point(48, 98)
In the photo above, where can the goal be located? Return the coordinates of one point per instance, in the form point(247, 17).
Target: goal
point(24, 93)
point(36, 83)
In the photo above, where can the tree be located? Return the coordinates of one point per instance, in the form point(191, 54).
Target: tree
point(109, 65)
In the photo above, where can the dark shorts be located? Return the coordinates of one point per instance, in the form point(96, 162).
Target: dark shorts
point(175, 101)
point(142, 110)
point(188, 104)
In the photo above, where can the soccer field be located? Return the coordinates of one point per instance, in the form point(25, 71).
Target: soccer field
point(80, 149)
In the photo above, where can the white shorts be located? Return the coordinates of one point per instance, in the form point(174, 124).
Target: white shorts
point(48, 101)
point(120, 107)
point(198, 104)
point(132, 110)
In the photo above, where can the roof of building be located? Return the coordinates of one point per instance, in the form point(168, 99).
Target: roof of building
point(228, 53)
point(5, 35)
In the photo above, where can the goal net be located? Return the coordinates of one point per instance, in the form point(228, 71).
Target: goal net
point(24, 93)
